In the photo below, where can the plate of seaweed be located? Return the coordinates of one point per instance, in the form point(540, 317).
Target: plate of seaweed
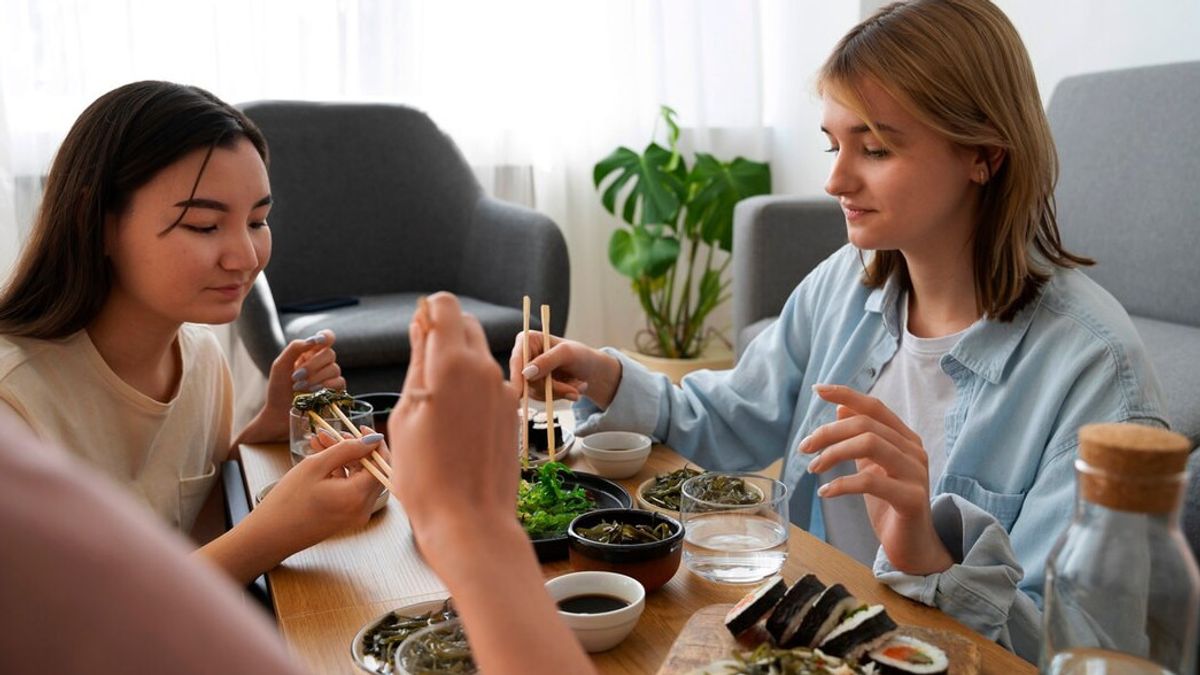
point(551, 495)
point(661, 493)
point(374, 647)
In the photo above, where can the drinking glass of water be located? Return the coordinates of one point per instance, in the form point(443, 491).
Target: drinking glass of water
point(302, 426)
point(736, 526)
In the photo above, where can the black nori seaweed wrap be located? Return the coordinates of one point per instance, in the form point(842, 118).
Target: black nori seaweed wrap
point(854, 636)
point(826, 612)
point(797, 601)
point(755, 605)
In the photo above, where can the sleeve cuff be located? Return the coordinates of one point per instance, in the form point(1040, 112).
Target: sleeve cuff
point(637, 405)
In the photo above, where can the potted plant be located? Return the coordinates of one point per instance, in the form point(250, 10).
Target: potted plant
point(676, 219)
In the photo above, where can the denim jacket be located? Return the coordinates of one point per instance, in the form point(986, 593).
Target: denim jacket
point(1070, 357)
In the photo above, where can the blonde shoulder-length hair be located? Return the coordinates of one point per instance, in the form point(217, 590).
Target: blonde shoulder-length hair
point(960, 67)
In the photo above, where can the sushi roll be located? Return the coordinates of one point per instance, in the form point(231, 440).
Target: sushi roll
point(904, 654)
point(537, 431)
point(826, 612)
point(863, 630)
point(794, 605)
point(754, 606)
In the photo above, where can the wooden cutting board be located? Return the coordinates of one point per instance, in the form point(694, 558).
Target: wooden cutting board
point(704, 639)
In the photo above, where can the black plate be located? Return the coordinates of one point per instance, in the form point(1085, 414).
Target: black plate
point(607, 494)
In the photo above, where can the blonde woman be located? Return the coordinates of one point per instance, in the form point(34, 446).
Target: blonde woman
point(925, 383)
point(154, 220)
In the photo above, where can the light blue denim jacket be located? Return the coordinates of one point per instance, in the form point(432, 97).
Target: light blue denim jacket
point(1024, 388)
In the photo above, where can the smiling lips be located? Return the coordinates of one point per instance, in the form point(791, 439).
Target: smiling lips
point(854, 211)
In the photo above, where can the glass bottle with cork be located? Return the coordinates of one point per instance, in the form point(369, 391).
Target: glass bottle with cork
point(1122, 588)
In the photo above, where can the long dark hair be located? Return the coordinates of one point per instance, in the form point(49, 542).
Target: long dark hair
point(117, 145)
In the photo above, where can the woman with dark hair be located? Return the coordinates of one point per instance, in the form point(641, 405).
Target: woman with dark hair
point(951, 350)
point(154, 219)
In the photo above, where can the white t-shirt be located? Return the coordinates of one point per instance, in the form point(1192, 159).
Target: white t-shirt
point(163, 454)
point(914, 386)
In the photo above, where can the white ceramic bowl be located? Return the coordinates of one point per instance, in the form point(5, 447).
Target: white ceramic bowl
point(616, 454)
point(603, 631)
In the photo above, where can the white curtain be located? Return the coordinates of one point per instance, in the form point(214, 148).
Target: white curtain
point(533, 91)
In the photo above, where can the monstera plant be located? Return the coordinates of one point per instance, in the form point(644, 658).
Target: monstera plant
point(676, 219)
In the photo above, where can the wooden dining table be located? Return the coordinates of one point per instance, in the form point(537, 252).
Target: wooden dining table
point(323, 595)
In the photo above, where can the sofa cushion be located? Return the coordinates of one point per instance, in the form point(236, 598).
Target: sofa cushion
point(375, 331)
point(1175, 351)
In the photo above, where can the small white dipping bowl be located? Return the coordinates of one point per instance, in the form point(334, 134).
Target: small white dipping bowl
point(603, 631)
point(616, 454)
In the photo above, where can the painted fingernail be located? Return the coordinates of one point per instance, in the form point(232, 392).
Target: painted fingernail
point(316, 387)
point(300, 374)
point(582, 387)
point(531, 371)
point(803, 447)
point(814, 466)
point(318, 339)
point(300, 385)
point(821, 387)
point(325, 433)
point(372, 438)
point(823, 489)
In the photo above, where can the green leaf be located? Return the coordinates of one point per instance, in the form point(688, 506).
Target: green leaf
point(636, 253)
point(653, 190)
point(715, 188)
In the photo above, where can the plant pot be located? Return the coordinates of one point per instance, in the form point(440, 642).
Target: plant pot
point(675, 369)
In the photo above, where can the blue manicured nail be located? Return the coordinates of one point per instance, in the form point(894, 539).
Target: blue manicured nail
point(372, 438)
point(300, 386)
point(300, 374)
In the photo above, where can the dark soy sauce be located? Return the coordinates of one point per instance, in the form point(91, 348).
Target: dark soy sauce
point(592, 603)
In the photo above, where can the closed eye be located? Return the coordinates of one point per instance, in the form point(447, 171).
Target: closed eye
point(202, 229)
point(258, 224)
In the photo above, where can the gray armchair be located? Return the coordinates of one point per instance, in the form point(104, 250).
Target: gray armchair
point(1128, 196)
point(375, 203)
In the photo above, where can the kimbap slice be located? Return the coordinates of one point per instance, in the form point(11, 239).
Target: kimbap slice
point(904, 654)
point(861, 631)
point(754, 606)
point(793, 606)
point(827, 611)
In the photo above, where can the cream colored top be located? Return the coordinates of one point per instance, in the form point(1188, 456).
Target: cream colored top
point(164, 454)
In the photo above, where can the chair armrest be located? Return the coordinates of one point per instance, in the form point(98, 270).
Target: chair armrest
point(777, 241)
point(258, 326)
point(513, 251)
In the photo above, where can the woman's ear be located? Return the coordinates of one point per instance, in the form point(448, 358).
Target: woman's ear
point(986, 163)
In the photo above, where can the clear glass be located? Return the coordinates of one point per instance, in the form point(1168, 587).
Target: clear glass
point(1122, 593)
point(735, 544)
point(301, 426)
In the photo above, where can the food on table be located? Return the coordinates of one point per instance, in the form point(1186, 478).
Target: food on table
point(794, 605)
point(905, 654)
point(592, 603)
point(720, 489)
point(755, 605)
point(665, 490)
point(815, 629)
point(321, 399)
point(544, 508)
point(826, 613)
point(379, 644)
point(612, 532)
point(766, 659)
point(439, 651)
point(858, 632)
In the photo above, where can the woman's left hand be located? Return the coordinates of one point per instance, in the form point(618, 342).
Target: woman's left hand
point(303, 366)
point(892, 476)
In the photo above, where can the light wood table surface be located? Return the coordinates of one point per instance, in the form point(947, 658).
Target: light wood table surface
point(323, 595)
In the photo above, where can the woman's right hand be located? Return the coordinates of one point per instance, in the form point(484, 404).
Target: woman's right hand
point(577, 369)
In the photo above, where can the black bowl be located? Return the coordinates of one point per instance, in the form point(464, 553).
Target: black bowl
point(652, 563)
point(383, 403)
point(604, 492)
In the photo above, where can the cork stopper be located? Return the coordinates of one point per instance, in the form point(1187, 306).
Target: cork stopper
point(1132, 467)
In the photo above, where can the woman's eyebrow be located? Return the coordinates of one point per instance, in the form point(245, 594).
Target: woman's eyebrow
point(863, 128)
point(201, 203)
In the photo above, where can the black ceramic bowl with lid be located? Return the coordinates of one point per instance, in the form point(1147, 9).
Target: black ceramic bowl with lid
point(652, 563)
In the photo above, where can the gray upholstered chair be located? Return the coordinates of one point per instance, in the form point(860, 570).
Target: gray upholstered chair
point(1128, 196)
point(374, 202)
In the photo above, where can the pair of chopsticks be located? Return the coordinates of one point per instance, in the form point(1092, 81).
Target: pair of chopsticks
point(380, 468)
point(525, 386)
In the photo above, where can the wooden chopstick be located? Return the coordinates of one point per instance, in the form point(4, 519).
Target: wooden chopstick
point(383, 464)
point(319, 421)
point(525, 387)
point(549, 382)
